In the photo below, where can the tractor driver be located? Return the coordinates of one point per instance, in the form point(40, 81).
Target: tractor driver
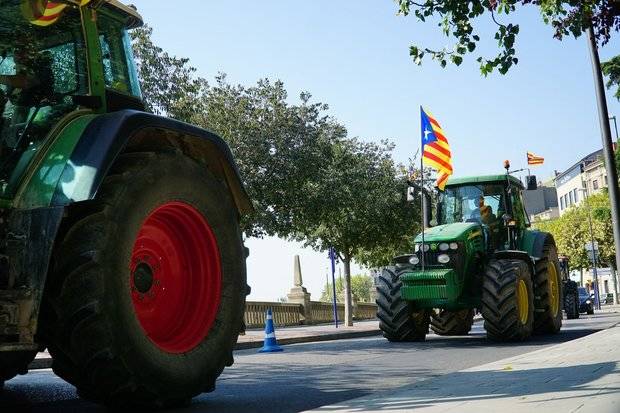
point(486, 212)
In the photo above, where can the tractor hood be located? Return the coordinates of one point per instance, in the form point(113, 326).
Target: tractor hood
point(459, 231)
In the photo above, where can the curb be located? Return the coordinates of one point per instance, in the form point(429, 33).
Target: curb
point(311, 339)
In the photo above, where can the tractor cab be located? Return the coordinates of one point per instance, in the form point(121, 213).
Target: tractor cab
point(48, 77)
point(493, 202)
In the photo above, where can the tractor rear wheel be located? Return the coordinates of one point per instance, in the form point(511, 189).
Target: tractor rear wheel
point(147, 293)
point(14, 363)
point(452, 323)
point(507, 300)
point(571, 300)
point(548, 292)
point(397, 318)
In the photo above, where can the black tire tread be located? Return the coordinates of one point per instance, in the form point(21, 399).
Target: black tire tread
point(397, 319)
point(499, 303)
point(452, 323)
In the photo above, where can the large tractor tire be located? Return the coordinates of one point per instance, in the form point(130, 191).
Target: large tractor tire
point(547, 292)
point(147, 293)
point(14, 363)
point(507, 300)
point(397, 319)
point(571, 300)
point(452, 323)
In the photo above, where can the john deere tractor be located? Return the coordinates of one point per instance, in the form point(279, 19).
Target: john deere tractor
point(480, 255)
point(120, 247)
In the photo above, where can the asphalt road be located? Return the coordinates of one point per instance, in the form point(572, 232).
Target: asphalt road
point(307, 376)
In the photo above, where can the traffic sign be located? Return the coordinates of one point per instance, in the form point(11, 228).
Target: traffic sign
point(590, 247)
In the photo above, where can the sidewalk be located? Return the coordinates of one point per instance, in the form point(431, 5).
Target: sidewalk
point(581, 376)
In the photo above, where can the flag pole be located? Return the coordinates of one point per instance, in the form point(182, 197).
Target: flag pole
point(422, 202)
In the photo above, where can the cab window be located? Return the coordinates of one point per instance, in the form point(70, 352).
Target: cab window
point(118, 65)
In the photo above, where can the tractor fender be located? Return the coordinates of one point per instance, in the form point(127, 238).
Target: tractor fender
point(516, 255)
point(110, 134)
point(534, 242)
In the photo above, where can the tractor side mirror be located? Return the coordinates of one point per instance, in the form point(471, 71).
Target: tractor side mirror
point(410, 194)
point(532, 184)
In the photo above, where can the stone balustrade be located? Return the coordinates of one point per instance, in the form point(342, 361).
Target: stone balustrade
point(287, 314)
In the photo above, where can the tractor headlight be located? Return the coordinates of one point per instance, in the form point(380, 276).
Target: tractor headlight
point(416, 248)
point(588, 302)
point(454, 246)
point(426, 247)
point(444, 247)
point(443, 258)
point(414, 260)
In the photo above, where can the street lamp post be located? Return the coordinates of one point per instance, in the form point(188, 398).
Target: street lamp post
point(608, 152)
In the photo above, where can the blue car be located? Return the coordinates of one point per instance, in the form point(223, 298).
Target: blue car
point(586, 301)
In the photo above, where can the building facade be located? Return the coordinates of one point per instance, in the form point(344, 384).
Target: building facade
point(587, 174)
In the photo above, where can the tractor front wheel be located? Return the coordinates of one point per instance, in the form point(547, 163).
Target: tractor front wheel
point(507, 300)
point(452, 323)
point(397, 318)
point(148, 287)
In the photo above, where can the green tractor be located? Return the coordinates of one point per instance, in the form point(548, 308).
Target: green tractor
point(479, 255)
point(120, 244)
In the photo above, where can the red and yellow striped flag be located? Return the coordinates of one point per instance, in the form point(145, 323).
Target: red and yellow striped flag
point(534, 159)
point(45, 12)
point(435, 149)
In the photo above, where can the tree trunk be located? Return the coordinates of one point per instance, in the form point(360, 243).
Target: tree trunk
point(348, 302)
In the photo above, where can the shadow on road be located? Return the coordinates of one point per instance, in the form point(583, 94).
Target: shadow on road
point(310, 376)
point(489, 386)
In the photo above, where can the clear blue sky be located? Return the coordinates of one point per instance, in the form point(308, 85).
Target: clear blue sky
point(353, 55)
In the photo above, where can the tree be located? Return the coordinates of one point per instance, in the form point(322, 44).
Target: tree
point(357, 203)
point(279, 147)
point(360, 289)
point(611, 69)
point(572, 231)
point(457, 19)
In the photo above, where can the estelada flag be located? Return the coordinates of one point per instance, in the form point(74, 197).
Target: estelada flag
point(534, 159)
point(435, 148)
point(45, 12)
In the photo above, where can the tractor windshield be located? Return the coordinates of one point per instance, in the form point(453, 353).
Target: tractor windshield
point(41, 68)
point(472, 203)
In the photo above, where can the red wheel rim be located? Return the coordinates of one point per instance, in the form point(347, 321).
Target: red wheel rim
point(175, 277)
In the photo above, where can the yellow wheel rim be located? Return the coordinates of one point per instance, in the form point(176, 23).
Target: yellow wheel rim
point(523, 304)
point(554, 288)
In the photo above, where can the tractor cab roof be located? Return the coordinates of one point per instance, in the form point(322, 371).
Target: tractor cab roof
point(134, 19)
point(484, 179)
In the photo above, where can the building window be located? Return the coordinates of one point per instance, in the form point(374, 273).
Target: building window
point(595, 184)
point(605, 180)
point(575, 195)
point(561, 203)
point(570, 197)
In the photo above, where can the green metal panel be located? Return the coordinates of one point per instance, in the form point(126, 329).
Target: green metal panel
point(38, 188)
point(473, 180)
point(95, 61)
point(431, 284)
